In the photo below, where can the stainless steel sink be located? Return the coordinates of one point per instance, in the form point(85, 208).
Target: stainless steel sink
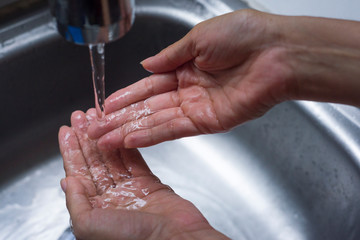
point(292, 174)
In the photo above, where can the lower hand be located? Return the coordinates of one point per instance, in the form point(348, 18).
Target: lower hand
point(114, 195)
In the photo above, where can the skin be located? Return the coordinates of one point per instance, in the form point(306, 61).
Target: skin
point(231, 69)
point(114, 195)
point(225, 71)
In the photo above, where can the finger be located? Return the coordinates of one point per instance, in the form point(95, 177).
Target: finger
point(145, 88)
point(118, 118)
point(133, 112)
point(115, 138)
point(112, 159)
point(171, 57)
point(171, 130)
point(74, 162)
point(91, 115)
point(93, 157)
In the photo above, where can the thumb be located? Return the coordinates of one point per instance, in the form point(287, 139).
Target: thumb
point(171, 57)
point(76, 197)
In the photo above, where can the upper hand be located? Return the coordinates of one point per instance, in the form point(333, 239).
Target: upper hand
point(222, 73)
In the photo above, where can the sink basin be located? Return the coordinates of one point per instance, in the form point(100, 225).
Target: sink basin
point(292, 174)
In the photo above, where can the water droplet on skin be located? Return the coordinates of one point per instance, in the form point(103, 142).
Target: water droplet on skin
point(145, 191)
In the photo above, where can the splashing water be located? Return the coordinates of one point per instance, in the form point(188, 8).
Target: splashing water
point(97, 57)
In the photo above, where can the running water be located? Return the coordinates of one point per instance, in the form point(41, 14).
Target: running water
point(97, 57)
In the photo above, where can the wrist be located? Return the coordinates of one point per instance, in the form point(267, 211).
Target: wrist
point(200, 230)
point(323, 56)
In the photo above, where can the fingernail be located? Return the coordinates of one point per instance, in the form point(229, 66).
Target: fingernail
point(63, 184)
point(146, 59)
point(142, 64)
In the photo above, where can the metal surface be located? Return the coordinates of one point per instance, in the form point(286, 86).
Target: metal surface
point(292, 174)
point(92, 22)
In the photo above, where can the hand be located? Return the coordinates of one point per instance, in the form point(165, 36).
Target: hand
point(219, 75)
point(114, 195)
point(231, 69)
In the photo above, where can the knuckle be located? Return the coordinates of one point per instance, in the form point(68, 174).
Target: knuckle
point(149, 84)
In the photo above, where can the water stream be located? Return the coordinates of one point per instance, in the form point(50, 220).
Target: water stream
point(97, 57)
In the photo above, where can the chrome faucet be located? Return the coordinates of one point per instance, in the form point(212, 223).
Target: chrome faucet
point(88, 22)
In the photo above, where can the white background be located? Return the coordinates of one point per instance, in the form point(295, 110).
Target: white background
point(345, 9)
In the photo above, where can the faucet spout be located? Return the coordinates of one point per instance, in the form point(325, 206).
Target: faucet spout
point(88, 22)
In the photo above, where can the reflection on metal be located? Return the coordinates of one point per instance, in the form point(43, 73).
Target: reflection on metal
point(341, 122)
point(93, 22)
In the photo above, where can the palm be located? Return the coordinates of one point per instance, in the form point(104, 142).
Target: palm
point(109, 189)
point(208, 97)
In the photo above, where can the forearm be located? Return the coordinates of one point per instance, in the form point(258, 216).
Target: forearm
point(324, 55)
